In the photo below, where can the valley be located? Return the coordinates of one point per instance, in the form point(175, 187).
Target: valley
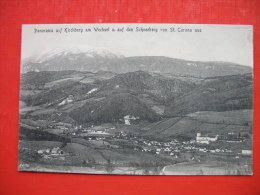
point(135, 122)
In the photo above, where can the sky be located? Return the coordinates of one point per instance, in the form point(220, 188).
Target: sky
point(229, 43)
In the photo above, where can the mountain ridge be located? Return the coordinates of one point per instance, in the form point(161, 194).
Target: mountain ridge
point(102, 59)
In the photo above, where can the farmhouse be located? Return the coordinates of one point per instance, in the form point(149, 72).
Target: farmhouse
point(247, 152)
point(57, 151)
point(205, 139)
point(67, 100)
point(130, 120)
point(46, 151)
point(127, 120)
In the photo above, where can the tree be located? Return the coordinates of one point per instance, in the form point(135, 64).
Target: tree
point(109, 166)
point(28, 100)
point(200, 172)
point(145, 171)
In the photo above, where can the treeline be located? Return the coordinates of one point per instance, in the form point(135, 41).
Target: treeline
point(38, 135)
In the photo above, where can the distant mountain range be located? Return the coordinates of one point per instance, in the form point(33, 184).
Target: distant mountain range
point(85, 58)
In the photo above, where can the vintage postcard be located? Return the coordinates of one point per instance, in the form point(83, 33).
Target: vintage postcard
point(137, 99)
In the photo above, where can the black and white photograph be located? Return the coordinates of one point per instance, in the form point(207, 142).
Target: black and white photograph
point(136, 99)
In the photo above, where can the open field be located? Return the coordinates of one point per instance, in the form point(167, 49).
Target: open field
point(128, 156)
point(53, 83)
point(80, 169)
point(237, 117)
point(203, 122)
point(25, 109)
point(37, 145)
point(204, 169)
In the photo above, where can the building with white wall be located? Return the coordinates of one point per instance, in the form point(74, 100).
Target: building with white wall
point(205, 139)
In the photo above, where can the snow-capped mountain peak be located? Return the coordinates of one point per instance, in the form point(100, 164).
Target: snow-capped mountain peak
point(89, 51)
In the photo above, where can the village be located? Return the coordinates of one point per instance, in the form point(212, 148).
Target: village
point(111, 146)
point(104, 138)
point(82, 144)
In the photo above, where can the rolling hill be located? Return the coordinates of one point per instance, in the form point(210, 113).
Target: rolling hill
point(215, 94)
point(114, 108)
point(137, 94)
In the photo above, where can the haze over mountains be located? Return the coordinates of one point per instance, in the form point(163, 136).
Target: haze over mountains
point(85, 58)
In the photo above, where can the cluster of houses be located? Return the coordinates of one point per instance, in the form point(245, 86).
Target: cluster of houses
point(52, 153)
point(234, 137)
point(69, 129)
point(229, 137)
point(173, 147)
point(60, 125)
point(170, 148)
point(93, 131)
